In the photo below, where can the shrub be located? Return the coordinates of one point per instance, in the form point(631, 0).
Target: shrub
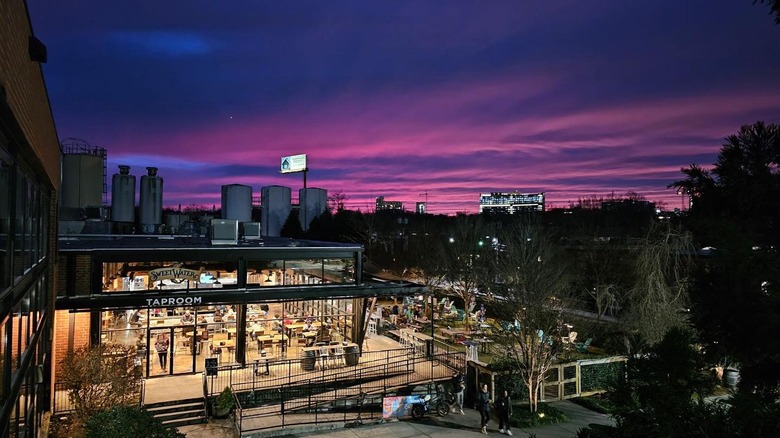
point(127, 422)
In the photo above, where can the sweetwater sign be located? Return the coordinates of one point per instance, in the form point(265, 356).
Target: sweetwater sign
point(173, 301)
point(176, 274)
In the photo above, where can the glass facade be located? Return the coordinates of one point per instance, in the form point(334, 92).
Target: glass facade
point(24, 285)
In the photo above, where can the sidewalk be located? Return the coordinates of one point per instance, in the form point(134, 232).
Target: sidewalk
point(452, 425)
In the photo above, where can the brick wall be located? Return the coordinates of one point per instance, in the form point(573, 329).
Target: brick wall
point(25, 89)
point(62, 323)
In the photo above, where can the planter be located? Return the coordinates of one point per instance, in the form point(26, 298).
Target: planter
point(351, 355)
point(308, 360)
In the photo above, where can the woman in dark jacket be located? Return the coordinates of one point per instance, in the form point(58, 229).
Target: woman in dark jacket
point(483, 406)
point(504, 410)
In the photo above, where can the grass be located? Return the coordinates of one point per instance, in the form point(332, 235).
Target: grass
point(545, 414)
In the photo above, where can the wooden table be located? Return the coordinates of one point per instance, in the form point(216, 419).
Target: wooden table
point(331, 351)
point(451, 334)
point(229, 344)
point(260, 360)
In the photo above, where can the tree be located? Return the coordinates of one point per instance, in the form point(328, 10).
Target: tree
point(101, 377)
point(128, 422)
point(532, 289)
point(774, 8)
point(663, 389)
point(292, 227)
point(465, 260)
point(336, 201)
point(658, 299)
point(736, 209)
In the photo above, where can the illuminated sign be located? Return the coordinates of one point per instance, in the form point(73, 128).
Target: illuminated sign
point(176, 274)
point(293, 163)
point(173, 301)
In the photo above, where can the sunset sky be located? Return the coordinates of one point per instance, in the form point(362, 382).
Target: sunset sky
point(399, 98)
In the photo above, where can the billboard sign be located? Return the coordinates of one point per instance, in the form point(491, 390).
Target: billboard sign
point(293, 163)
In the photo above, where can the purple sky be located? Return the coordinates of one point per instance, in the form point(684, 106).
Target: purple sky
point(398, 98)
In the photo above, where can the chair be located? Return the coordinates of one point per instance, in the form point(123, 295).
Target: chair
point(461, 315)
point(582, 347)
point(338, 356)
point(324, 355)
point(372, 327)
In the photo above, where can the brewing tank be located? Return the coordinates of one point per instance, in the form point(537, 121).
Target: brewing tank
point(82, 180)
point(313, 202)
point(237, 202)
point(151, 201)
point(123, 195)
point(275, 207)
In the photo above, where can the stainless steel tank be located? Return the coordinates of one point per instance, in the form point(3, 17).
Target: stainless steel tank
point(237, 202)
point(123, 195)
point(82, 180)
point(151, 201)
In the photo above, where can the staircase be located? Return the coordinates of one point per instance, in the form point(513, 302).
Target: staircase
point(176, 413)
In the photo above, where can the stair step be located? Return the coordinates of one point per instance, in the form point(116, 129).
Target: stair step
point(175, 402)
point(186, 422)
point(181, 415)
point(176, 408)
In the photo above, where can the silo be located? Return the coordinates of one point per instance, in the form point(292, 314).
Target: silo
point(313, 202)
point(237, 202)
point(274, 209)
point(151, 201)
point(83, 175)
point(123, 195)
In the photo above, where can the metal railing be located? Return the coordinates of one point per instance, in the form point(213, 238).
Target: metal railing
point(348, 395)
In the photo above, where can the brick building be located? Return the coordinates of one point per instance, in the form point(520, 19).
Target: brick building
point(29, 184)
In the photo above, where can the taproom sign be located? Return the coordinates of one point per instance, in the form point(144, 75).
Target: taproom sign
point(173, 301)
point(175, 273)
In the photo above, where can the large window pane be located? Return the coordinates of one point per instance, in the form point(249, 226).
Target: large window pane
point(5, 218)
point(173, 275)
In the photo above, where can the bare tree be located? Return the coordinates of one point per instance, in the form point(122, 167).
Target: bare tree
point(464, 257)
point(659, 297)
point(337, 200)
point(534, 292)
point(100, 378)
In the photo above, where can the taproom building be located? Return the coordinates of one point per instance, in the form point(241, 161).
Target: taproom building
point(209, 299)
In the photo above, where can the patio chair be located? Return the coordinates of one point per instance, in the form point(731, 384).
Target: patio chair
point(324, 355)
point(582, 347)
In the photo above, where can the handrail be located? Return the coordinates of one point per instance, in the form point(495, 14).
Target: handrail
point(317, 392)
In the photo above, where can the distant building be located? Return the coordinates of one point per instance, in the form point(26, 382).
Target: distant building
point(421, 208)
point(511, 202)
point(381, 204)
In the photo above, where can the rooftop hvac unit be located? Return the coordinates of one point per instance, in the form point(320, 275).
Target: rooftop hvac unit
point(224, 232)
point(251, 230)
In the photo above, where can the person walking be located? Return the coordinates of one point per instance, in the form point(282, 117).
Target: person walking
point(504, 410)
point(458, 386)
point(483, 406)
point(162, 350)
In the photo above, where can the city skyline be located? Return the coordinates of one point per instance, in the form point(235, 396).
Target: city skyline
point(398, 99)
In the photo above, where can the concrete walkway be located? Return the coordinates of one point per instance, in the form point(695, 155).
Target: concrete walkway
point(452, 425)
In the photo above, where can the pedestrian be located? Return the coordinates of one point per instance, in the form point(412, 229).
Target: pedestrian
point(504, 410)
point(483, 406)
point(458, 386)
point(162, 350)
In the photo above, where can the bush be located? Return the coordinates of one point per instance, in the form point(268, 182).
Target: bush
point(225, 401)
point(545, 414)
point(127, 422)
point(598, 403)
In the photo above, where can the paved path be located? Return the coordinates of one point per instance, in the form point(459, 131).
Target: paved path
point(452, 425)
